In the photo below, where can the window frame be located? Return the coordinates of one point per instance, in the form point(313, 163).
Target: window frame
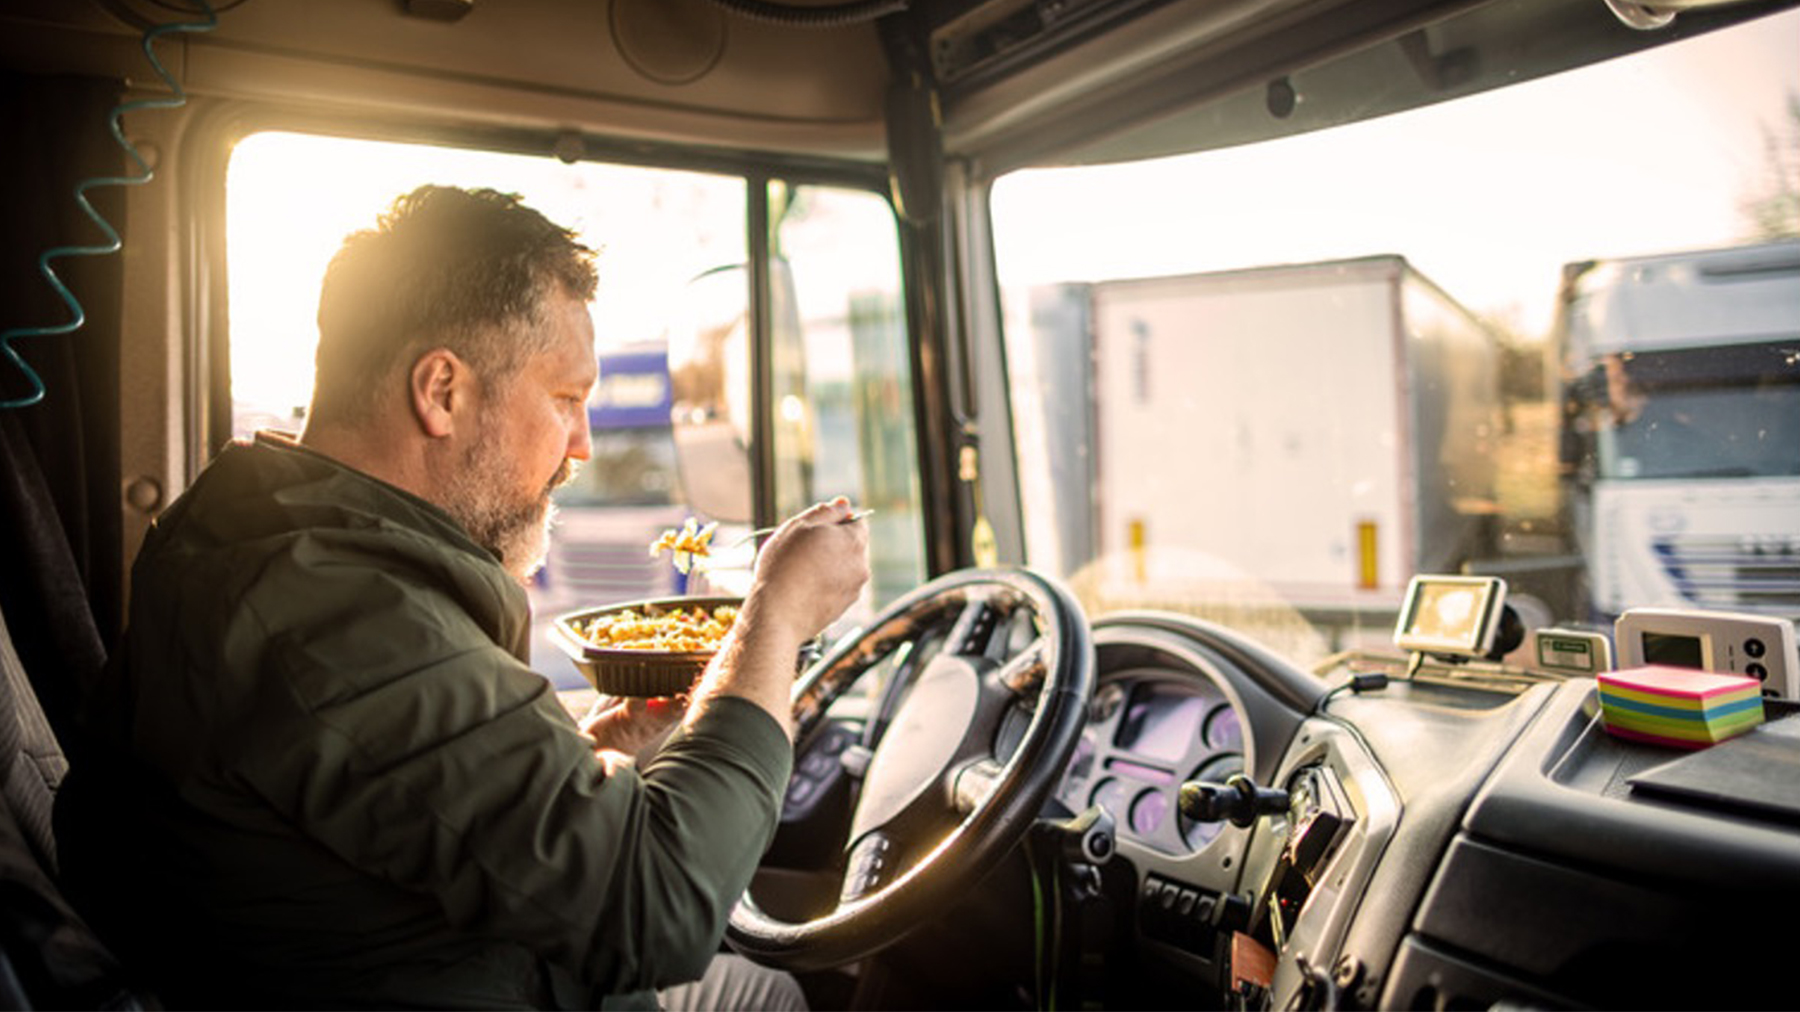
point(205, 349)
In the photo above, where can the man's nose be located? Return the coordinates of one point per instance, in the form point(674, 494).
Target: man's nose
point(581, 441)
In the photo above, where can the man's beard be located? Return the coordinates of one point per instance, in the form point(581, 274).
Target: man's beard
point(516, 528)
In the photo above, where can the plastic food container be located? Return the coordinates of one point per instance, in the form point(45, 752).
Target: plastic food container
point(622, 672)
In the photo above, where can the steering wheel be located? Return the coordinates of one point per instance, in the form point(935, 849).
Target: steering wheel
point(939, 808)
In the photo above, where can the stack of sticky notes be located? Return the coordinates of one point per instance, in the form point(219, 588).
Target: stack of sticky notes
point(1678, 706)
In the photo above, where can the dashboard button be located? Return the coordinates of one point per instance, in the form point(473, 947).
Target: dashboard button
point(1150, 912)
point(1204, 906)
point(800, 791)
point(1184, 902)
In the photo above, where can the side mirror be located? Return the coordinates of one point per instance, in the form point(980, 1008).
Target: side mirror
point(711, 404)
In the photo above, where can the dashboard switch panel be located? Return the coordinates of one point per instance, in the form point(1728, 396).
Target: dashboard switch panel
point(1178, 914)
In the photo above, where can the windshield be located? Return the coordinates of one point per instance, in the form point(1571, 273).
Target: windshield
point(1268, 384)
point(1726, 430)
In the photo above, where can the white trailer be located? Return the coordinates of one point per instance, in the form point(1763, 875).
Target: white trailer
point(1682, 428)
point(1210, 437)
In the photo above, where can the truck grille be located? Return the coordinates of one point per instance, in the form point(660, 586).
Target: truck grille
point(602, 573)
point(1735, 573)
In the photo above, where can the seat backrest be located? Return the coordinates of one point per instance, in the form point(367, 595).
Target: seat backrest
point(49, 957)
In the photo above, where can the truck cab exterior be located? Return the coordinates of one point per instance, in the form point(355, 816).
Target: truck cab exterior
point(1682, 405)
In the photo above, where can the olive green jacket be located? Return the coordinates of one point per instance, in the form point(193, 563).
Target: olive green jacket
point(346, 786)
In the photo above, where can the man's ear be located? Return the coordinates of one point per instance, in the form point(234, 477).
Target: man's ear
point(441, 385)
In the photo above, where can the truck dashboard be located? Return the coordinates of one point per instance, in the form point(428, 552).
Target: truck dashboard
point(1439, 841)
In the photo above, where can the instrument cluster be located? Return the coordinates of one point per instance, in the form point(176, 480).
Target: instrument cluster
point(1148, 731)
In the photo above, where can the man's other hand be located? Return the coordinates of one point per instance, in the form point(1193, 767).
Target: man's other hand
point(632, 726)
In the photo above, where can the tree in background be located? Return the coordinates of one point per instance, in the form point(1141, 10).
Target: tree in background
point(1774, 212)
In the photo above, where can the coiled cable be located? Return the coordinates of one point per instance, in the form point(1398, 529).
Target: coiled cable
point(78, 316)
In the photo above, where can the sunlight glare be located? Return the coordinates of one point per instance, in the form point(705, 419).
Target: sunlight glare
point(293, 198)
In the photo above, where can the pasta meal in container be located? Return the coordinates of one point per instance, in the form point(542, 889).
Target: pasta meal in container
point(647, 648)
point(656, 647)
point(680, 629)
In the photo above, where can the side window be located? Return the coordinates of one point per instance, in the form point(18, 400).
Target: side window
point(668, 242)
point(843, 389)
point(291, 200)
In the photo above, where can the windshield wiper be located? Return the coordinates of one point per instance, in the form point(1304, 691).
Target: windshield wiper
point(1721, 472)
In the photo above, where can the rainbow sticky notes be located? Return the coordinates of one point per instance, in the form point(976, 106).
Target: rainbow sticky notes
point(1678, 706)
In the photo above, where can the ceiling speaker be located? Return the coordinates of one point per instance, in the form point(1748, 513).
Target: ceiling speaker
point(669, 41)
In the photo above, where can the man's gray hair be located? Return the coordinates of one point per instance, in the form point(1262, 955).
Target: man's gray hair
point(467, 270)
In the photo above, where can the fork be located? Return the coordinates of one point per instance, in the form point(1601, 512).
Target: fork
point(763, 532)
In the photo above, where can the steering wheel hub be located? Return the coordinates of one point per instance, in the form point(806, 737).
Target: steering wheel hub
point(920, 836)
point(931, 725)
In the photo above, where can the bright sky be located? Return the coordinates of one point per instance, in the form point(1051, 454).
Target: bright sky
point(1487, 196)
point(292, 198)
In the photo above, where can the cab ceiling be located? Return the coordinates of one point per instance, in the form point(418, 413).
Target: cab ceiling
point(1203, 74)
point(1018, 81)
point(672, 70)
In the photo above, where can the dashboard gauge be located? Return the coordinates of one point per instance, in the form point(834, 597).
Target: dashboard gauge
point(1147, 727)
point(1224, 731)
point(1162, 722)
point(1113, 795)
point(1216, 770)
point(1148, 812)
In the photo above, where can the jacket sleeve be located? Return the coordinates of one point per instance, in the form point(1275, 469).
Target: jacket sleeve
point(399, 736)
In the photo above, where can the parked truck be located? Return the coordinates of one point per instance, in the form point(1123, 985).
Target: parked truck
point(1335, 504)
point(1681, 427)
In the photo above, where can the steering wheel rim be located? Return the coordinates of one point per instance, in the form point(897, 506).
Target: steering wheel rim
point(995, 822)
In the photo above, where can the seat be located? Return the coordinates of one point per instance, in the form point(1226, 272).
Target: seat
point(49, 956)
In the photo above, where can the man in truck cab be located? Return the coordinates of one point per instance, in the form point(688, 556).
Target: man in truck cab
point(321, 772)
